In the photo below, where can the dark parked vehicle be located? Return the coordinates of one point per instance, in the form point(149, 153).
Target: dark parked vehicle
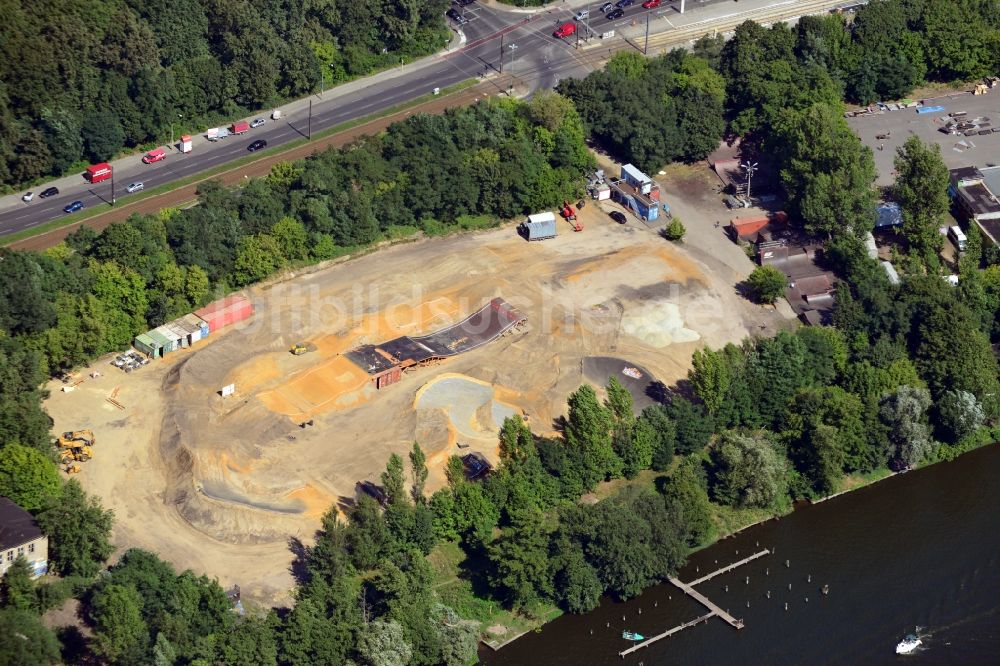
point(615, 14)
point(622, 4)
point(73, 207)
point(49, 192)
point(618, 217)
point(463, 3)
point(607, 7)
point(257, 145)
point(453, 14)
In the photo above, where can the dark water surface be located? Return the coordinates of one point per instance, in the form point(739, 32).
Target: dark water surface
point(919, 549)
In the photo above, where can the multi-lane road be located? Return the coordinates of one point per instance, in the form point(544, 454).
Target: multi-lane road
point(532, 59)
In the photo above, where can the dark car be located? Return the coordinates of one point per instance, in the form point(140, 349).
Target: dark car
point(257, 145)
point(615, 14)
point(621, 4)
point(73, 207)
point(606, 7)
point(618, 217)
point(463, 3)
point(49, 192)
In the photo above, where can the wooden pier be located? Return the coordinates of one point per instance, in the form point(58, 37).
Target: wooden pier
point(668, 632)
point(729, 568)
point(688, 589)
point(707, 603)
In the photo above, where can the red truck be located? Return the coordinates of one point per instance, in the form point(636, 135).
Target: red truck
point(98, 172)
point(154, 156)
point(241, 127)
point(565, 30)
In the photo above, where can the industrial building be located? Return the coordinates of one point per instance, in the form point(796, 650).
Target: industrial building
point(385, 362)
point(976, 193)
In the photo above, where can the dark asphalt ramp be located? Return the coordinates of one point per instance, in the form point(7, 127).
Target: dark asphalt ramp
point(599, 369)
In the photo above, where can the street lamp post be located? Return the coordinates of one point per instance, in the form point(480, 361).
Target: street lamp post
point(750, 168)
point(512, 47)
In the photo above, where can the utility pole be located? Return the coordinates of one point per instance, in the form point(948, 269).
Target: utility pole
point(645, 44)
point(501, 53)
point(112, 187)
point(682, 6)
point(310, 130)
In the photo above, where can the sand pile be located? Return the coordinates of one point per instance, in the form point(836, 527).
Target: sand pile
point(658, 325)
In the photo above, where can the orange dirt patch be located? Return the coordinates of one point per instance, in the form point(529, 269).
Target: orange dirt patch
point(319, 389)
point(676, 266)
point(254, 373)
point(315, 500)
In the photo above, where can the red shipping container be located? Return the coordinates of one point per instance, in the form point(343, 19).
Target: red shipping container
point(229, 310)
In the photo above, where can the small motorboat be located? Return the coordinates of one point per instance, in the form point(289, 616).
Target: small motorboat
point(907, 645)
point(632, 636)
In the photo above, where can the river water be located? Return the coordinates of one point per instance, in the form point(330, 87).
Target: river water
point(920, 549)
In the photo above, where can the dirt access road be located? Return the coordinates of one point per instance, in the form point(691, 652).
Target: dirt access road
point(256, 169)
point(226, 486)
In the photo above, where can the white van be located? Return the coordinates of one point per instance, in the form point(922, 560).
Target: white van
point(957, 237)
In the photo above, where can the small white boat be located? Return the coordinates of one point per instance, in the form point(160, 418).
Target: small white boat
point(907, 645)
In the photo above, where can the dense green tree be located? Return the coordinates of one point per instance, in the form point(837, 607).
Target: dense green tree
point(637, 449)
point(693, 427)
point(687, 487)
point(576, 583)
point(922, 190)
point(79, 529)
point(252, 641)
point(654, 420)
point(393, 481)
point(102, 135)
point(589, 430)
point(27, 476)
point(475, 515)
point(959, 415)
point(24, 640)
point(257, 257)
point(826, 171)
point(904, 412)
point(382, 644)
point(418, 470)
point(748, 471)
point(17, 589)
point(120, 633)
point(766, 284)
point(520, 561)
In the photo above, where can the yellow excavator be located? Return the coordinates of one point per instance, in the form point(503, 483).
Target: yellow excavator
point(74, 438)
point(298, 349)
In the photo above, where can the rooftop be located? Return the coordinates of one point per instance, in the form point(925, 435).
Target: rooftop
point(17, 526)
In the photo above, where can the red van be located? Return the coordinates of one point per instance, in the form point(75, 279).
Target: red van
point(98, 172)
point(565, 30)
point(241, 127)
point(154, 156)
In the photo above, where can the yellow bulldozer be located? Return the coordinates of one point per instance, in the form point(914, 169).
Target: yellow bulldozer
point(298, 349)
point(79, 453)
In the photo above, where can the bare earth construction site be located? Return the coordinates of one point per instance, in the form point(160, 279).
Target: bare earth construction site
point(224, 485)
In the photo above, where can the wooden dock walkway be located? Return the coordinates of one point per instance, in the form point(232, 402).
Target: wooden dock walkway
point(707, 603)
point(668, 632)
point(730, 567)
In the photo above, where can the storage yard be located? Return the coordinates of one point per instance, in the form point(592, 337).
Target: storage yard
point(334, 369)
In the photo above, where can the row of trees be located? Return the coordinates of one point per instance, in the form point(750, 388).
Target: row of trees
point(84, 80)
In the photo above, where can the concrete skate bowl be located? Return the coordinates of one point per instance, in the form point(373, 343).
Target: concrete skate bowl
point(472, 409)
point(645, 389)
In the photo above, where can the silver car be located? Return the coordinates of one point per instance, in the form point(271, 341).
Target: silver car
point(257, 123)
point(134, 187)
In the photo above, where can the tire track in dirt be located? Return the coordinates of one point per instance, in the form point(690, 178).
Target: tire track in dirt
point(256, 169)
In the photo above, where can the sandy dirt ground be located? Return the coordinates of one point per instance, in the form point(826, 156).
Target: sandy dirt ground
point(225, 486)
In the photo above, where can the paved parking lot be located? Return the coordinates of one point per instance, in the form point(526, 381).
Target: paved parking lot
point(976, 151)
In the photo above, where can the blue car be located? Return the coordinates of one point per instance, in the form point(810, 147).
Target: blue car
point(73, 207)
point(622, 4)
